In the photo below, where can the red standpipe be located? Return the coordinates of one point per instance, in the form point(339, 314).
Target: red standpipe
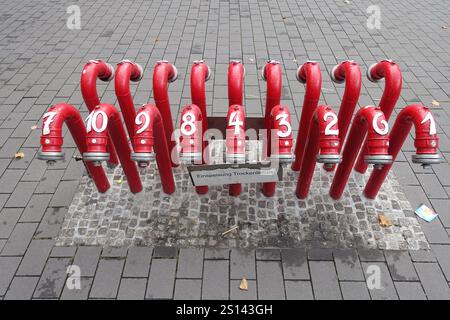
point(236, 73)
point(52, 140)
point(235, 141)
point(323, 146)
point(368, 119)
point(126, 71)
point(200, 73)
point(271, 73)
point(426, 143)
point(310, 74)
point(105, 118)
point(392, 87)
point(350, 73)
point(164, 73)
point(149, 131)
point(280, 126)
point(104, 71)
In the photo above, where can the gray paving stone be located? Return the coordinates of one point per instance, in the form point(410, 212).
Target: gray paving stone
point(386, 291)
point(51, 223)
point(238, 294)
point(35, 258)
point(400, 265)
point(441, 207)
point(78, 294)
point(107, 279)
point(187, 289)
point(217, 253)
point(268, 254)
point(370, 255)
point(410, 291)
point(431, 186)
point(270, 280)
point(138, 262)
point(63, 252)
point(348, 265)
point(8, 220)
point(8, 267)
point(442, 253)
point(161, 280)
point(18, 242)
point(353, 290)
point(21, 195)
point(295, 264)
point(2, 244)
point(433, 281)
point(87, 259)
point(299, 290)
point(113, 252)
point(422, 255)
point(165, 252)
point(242, 264)
point(10, 179)
point(21, 288)
point(215, 280)
point(190, 263)
point(35, 209)
point(320, 254)
point(53, 279)
point(324, 280)
point(64, 194)
point(50, 181)
point(132, 289)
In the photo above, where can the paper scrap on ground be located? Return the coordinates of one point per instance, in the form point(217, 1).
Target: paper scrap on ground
point(19, 155)
point(426, 213)
point(384, 221)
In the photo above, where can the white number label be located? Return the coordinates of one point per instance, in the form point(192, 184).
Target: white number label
point(429, 117)
point(283, 122)
point(48, 118)
point(332, 123)
point(376, 127)
point(91, 121)
point(139, 121)
point(188, 120)
point(235, 121)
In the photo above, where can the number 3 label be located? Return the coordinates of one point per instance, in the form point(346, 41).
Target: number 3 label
point(285, 123)
point(92, 121)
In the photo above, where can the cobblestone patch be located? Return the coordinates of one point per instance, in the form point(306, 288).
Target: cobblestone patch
point(119, 218)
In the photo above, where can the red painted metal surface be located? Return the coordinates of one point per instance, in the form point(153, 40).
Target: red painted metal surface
point(235, 140)
point(368, 119)
point(149, 133)
point(93, 70)
point(236, 73)
point(279, 140)
point(426, 143)
point(52, 139)
point(390, 71)
point(323, 146)
point(271, 73)
point(106, 119)
point(127, 71)
point(200, 73)
point(310, 74)
point(350, 73)
point(164, 73)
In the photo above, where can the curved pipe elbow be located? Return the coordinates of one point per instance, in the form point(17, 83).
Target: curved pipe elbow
point(200, 73)
point(236, 74)
point(126, 71)
point(271, 73)
point(163, 74)
point(310, 73)
point(350, 73)
point(93, 70)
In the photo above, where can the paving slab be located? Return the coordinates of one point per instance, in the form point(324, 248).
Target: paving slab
point(324, 280)
point(21, 288)
point(161, 280)
point(187, 289)
point(107, 279)
point(354, 290)
point(215, 280)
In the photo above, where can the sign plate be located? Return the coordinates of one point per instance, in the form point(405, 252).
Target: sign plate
point(218, 174)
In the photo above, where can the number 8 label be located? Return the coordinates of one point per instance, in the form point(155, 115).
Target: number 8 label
point(188, 120)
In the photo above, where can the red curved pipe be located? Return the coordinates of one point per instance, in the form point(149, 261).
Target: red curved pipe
point(236, 74)
point(272, 75)
point(52, 140)
point(164, 73)
point(281, 129)
point(426, 143)
point(126, 71)
point(392, 74)
point(350, 72)
point(97, 139)
point(323, 139)
point(368, 119)
point(149, 132)
point(94, 69)
point(310, 73)
point(200, 73)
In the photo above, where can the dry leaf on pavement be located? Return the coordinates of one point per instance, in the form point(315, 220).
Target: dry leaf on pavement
point(19, 155)
point(243, 285)
point(435, 103)
point(384, 221)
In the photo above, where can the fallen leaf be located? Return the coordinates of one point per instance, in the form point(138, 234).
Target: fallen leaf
point(119, 181)
point(243, 285)
point(251, 59)
point(444, 27)
point(384, 221)
point(19, 155)
point(284, 18)
point(435, 103)
point(295, 60)
point(346, 1)
point(34, 127)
